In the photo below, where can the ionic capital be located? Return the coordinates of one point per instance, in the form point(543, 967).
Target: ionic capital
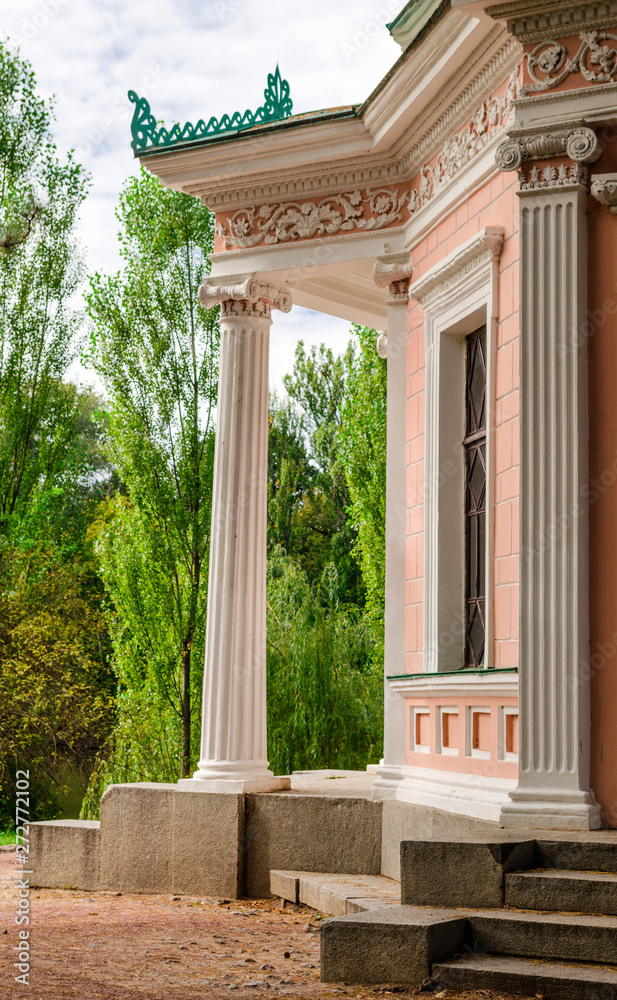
point(394, 271)
point(578, 142)
point(244, 295)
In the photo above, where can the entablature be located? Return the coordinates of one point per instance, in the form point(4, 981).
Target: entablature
point(428, 95)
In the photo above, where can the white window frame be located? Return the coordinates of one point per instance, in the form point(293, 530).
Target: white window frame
point(414, 712)
point(504, 712)
point(459, 295)
point(441, 712)
point(471, 711)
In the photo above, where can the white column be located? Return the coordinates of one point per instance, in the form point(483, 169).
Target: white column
point(394, 272)
point(233, 735)
point(553, 790)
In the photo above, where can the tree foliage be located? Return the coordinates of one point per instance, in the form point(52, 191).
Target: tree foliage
point(307, 480)
point(56, 693)
point(156, 351)
point(324, 695)
point(362, 444)
point(40, 270)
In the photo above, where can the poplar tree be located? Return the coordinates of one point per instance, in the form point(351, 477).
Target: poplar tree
point(156, 351)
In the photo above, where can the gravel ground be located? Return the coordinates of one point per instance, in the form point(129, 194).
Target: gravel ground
point(101, 945)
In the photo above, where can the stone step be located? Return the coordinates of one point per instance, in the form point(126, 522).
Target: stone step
point(562, 936)
point(577, 855)
point(394, 944)
point(573, 891)
point(527, 977)
point(335, 895)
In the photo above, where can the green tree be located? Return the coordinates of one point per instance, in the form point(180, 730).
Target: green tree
point(322, 531)
point(156, 351)
point(324, 694)
point(56, 692)
point(362, 450)
point(40, 270)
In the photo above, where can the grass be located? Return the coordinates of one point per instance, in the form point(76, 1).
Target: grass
point(6, 838)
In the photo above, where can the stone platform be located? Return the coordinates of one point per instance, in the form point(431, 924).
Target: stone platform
point(165, 838)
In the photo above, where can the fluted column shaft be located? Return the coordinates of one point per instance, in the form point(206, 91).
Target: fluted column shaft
point(234, 733)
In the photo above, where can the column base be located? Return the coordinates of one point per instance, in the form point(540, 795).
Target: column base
point(388, 778)
point(234, 777)
point(550, 809)
point(235, 785)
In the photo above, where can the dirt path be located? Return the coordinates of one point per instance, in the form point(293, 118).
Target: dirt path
point(99, 946)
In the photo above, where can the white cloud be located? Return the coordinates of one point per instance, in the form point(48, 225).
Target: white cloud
point(191, 59)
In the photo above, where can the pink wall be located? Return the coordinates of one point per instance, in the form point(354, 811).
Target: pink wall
point(495, 204)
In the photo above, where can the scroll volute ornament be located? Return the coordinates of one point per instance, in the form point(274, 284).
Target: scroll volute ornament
point(549, 64)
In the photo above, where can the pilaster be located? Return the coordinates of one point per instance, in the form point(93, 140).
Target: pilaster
point(553, 788)
point(393, 271)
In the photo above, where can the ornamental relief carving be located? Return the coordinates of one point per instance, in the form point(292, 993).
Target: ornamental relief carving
point(371, 208)
point(491, 116)
point(270, 224)
point(552, 177)
point(549, 63)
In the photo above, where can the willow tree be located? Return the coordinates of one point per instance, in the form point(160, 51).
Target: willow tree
point(156, 351)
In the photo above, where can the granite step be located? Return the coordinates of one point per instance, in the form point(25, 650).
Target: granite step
point(570, 891)
point(527, 977)
point(577, 855)
point(561, 936)
point(335, 895)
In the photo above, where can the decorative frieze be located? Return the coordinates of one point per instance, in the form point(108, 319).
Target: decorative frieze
point(461, 148)
point(578, 142)
point(604, 190)
point(550, 65)
point(270, 224)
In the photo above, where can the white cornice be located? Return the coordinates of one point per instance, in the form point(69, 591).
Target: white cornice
point(531, 21)
point(489, 684)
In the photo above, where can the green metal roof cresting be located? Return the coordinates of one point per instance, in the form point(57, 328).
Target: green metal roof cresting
point(146, 136)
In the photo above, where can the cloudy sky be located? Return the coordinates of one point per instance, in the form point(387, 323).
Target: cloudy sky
point(192, 59)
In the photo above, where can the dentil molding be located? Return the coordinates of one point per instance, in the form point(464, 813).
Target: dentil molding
point(604, 190)
point(530, 21)
point(244, 294)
